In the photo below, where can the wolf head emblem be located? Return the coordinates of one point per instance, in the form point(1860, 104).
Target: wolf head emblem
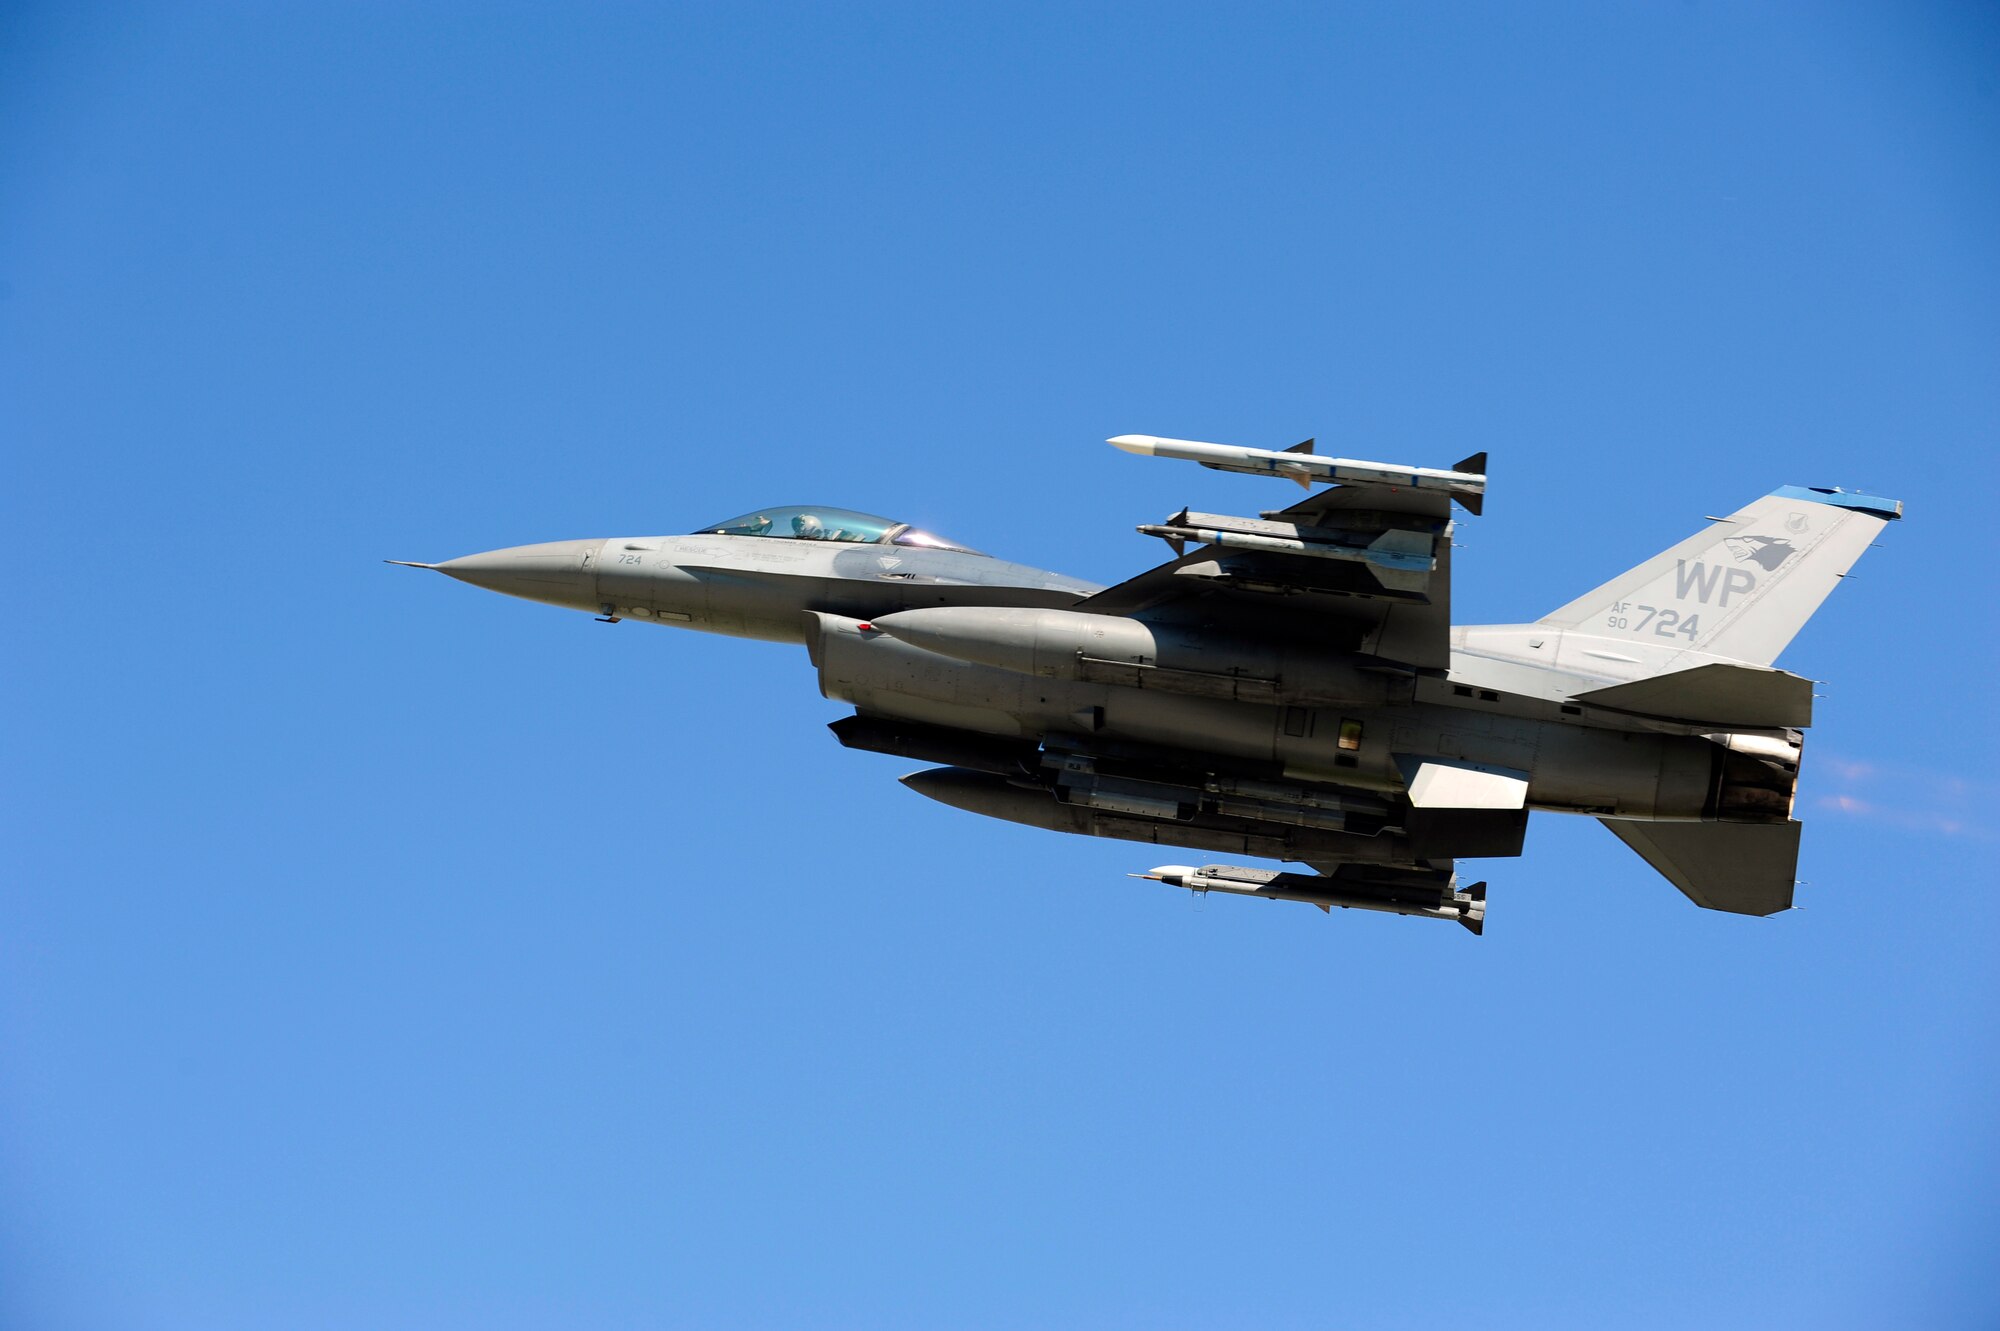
point(1766, 552)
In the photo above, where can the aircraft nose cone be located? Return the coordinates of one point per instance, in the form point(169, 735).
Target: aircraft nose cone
point(559, 572)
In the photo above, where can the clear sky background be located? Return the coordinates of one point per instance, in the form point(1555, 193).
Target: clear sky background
point(375, 951)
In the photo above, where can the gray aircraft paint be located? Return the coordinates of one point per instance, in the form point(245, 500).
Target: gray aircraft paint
point(1738, 591)
point(1257, 698)
point(754, 587)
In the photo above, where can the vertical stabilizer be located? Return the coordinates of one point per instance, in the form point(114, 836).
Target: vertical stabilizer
point(1743, 587)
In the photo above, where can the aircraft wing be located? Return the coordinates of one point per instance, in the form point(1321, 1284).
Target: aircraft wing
point(1364, 567)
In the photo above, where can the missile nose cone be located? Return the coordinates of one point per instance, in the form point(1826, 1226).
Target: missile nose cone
point(558, 572)
point(1142, 444)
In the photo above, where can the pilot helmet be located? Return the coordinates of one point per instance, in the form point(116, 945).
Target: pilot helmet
point(807, 527)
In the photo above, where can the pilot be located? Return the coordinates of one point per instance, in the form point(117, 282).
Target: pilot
point(757, 526)
point(808, 528)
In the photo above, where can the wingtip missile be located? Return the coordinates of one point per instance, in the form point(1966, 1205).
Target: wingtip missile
point(1301, 465)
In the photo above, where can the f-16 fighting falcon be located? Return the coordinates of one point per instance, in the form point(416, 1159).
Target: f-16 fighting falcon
point(1290, 686)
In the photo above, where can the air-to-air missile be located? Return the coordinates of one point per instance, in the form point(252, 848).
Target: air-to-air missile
point(1434, 896)
point(1465, 482)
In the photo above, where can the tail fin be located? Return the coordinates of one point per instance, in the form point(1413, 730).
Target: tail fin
point(1744, 587)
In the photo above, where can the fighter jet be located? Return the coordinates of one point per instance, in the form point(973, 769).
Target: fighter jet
point(1289, 686)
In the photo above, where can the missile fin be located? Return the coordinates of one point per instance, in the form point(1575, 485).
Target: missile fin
point(1475, 920)
point(1475, 504)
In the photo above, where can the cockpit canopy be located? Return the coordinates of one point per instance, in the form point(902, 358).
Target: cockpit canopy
point(812, 522)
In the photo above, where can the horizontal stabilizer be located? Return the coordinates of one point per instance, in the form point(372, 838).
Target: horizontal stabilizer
point(1732, 696)
point(1748, 868)
point(1454, 783)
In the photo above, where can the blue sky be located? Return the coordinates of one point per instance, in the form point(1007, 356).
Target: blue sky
point(375, 951)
